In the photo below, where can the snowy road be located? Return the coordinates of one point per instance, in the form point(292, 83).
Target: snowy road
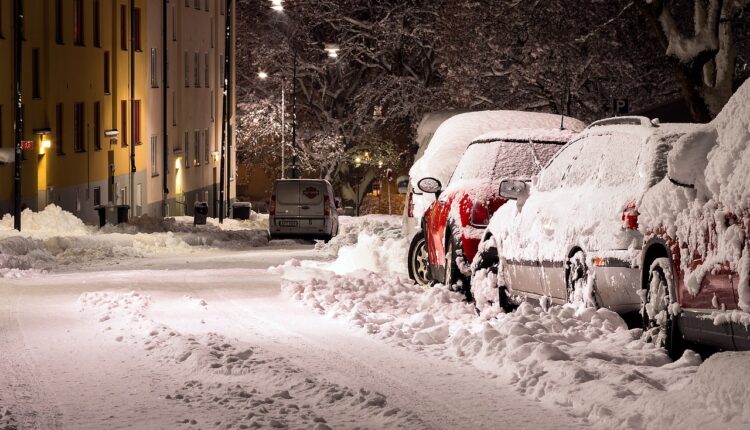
point(207, 341)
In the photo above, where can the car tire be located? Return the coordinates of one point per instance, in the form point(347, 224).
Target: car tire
point(659, 324)
point(490, 261)
point(453, 277)
point(577, 280)
point(417, 260)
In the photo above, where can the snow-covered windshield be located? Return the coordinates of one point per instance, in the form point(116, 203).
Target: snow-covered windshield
point(602, 160)
point(496, 160)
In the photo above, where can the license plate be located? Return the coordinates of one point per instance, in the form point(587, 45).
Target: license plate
point(292, 223)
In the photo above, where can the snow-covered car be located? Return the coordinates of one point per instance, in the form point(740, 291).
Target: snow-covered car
point(454, 223)
point(695, 260)
point(572, 233)
point(441, 156)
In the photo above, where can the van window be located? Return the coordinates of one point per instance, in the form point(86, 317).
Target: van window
point(312, 192)
point(287, 192)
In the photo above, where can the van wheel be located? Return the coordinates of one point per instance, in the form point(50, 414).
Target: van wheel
point(418, 263)
point(659, 324)
point(453, 277)
point(580, 285)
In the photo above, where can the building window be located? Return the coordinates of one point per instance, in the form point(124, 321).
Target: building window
point(213, 33)
point(36, 89)
point(174, 111)
point(154, 62)
point(78, 22)
point(205, 6)
point(97, 126)
point(197, 143)
point(137, 28)
point(1, 26)
point(213, 104)
point(221, 70)
point(59, 129)
point(197, 70)
point(174, 26)
point(205, 69)
point(1, 124)
point(154, 155)
point(97, 196)
point(186, 67)
point(123, 27)
point(186, 145)
point(124, 123)
point(137, 121)
point(97, 24)
point(59, 22)
point(206, 146)
point(197, 4)
point(79, 114)
point(106, 72)
point(187, 3)
point(221, 6)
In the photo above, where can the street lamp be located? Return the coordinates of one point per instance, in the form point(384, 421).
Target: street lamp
point(277, 5)
point(332, 49)
point(263, 76)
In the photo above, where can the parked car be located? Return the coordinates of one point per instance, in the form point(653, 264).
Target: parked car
point(571, 234)
point(454, 223)
point(302, 208)
point(439, 159)
point(695, 263)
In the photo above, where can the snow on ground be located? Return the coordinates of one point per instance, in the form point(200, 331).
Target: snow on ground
point(53, 239)
point(587, 362)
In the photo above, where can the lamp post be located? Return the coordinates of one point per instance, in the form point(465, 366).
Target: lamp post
point(18, 125)
point(264, 76)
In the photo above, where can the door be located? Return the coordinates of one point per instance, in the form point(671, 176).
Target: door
point(111, 177)
point(287, 198)
point(311, 199)
point(215, 189)
point(436, 224)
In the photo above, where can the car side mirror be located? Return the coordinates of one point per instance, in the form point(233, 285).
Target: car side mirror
point(430, 185)
point(513, 189)
point(337, 203)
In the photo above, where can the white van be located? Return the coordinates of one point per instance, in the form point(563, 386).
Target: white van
point(303, 208)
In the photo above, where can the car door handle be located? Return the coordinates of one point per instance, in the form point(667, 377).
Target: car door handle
point(305, 207)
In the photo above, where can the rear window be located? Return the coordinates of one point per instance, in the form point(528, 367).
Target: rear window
point(497, 160)
point(312, 192)
point(287, 192)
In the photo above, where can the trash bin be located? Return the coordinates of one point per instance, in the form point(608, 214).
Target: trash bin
point(101, 210)
point(241, 210)
point(200, 213)
point(122, 213)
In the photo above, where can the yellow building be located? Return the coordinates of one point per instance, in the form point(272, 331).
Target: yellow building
point(85, 112)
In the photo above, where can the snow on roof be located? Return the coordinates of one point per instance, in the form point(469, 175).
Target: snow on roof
point(456, 133)
point(729, 161)
point(534, 134)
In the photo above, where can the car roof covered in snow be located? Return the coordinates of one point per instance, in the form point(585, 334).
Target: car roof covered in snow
point(456, 133)
point(534, 134)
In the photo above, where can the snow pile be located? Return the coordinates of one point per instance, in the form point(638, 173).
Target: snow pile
point(54, 239)
point(372, 242)
point(224, 380)
point(588, 362)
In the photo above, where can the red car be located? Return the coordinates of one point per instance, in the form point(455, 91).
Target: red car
point(454, 223)
point(696, 257)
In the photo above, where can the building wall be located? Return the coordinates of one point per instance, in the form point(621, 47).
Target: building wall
point(73, 73)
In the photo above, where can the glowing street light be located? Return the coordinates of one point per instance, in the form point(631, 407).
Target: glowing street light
point(277, 5)
point(332, 49)
point(262, 75)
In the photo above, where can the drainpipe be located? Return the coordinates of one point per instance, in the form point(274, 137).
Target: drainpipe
point(164, 99)
point(18, 125)
point(224, 116)
point(132, 108)
point(230, 129)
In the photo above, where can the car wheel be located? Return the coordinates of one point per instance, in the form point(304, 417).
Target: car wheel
point(453, 277)
point(659, 323)
point(579, 282)
point(418, 264)
point(487, 261)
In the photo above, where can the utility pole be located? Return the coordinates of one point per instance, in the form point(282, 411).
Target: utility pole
point(283, 129)
point(164, 111)
point(224, 116)
point(295, 170)
point(18, 125)
point(132, 107)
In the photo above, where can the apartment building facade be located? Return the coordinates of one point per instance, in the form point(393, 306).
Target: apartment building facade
point(93, 98)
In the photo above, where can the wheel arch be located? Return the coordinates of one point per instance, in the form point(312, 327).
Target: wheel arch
point(654, 248)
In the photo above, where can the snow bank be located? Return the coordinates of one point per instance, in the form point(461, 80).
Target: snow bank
point(371, 242)
point(587, 362)
point(54, 239)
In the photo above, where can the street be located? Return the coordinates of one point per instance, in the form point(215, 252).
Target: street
point(206, 341)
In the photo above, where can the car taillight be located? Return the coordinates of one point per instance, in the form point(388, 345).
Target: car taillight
point(272, 206)
point(326, 206)
point(630, 217)
point(480, 215)
point(410, 212)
